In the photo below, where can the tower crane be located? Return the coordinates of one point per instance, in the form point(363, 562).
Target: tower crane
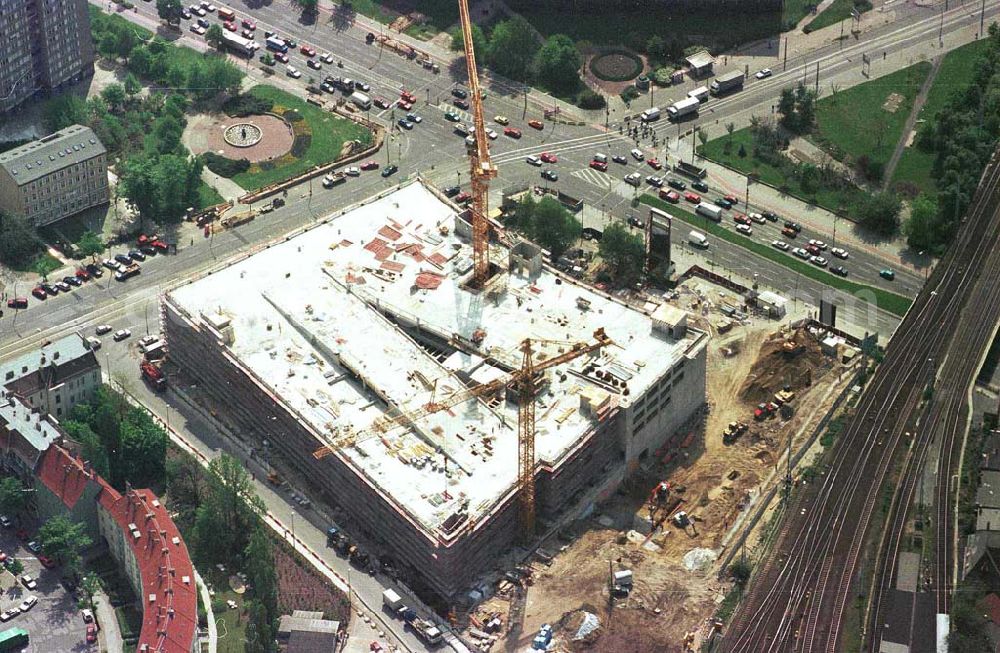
point(525, 381)
point(482, 169)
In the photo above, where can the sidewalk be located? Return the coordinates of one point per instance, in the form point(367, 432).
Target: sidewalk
point(109, 635)
point(206, 600)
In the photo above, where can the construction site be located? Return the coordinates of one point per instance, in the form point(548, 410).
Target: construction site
point(425, 404)
point(641, 570)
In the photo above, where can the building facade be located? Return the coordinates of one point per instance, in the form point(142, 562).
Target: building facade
point(54, 177)
point(46, 46)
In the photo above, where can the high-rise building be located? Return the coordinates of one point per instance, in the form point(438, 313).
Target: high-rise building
point(54, 177)
point(46, 45)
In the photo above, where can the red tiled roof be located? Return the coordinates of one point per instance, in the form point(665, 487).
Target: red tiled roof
point(64, 475)
point(170, 612)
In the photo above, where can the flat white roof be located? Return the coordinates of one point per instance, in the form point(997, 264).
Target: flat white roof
point(302, 319)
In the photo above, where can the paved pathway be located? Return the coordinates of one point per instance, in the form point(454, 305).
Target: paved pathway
point(904, 138)
point(206, 600)
point(110, 635)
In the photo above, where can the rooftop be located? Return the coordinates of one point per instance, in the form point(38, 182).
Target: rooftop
point(64, 475)
point(700, 59)
point(300, 316)
point(69, 146)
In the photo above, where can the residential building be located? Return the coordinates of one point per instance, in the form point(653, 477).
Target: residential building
point(46, 46)
point(54, 177)
point(307, 632)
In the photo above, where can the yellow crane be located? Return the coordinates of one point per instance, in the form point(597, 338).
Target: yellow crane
point(482, 169)
point(524, 381)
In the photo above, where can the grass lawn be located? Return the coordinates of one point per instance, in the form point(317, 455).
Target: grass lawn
point(856, 121)
point(42, 263)
point(319, 137)
point(130, 623)
point(231, 624)
point(955, 74)
point(836, 12)
point(795, 11)
point(831, 199)
point(208, 196)
point(885, 300)
point(441, 14)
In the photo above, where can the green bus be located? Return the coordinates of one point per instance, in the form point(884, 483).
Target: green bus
point(13, 639)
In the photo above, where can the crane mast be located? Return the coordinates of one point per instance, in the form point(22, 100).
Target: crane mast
point(482, 169)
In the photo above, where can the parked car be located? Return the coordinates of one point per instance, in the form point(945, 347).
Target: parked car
point(123, 259)
point(501, 120)
point(369, 165)
point(353, 171)
point(390, 169)
point(461, 104)
point(63, 286)
point(72, 280)
point(136, 255)
point(599, 165)
point(654, 163)
point(197, 29)
point(121, 334)
point(102, 329)
point(94, 270)
point(28, 603)
point(17, 302)
point(620, 158)
point(548, 157)
point(451, 191)
point(633, 179)
point(230, 26)
point(462, 198)
point(28, 582)
point(550, 174)
point(460, 93)
point(91, 633)
point(381, 103)
point(536, 124)
point(531, 159)
point(655, 181)
point(672, 196)
point(513, 132)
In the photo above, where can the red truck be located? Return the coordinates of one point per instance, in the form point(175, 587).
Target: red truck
point(153, 375)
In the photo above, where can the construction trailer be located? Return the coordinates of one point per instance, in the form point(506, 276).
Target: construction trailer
point(344, 327)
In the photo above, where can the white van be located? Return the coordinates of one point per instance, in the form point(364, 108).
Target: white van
point(602, 158)
point(698, 239)
point(651, 114)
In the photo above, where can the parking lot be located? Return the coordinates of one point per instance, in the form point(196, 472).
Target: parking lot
point(55, 623)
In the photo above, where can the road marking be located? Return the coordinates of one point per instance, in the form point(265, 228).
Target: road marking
point(594, 177)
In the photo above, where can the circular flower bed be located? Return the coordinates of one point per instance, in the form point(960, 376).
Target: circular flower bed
point(617, 66)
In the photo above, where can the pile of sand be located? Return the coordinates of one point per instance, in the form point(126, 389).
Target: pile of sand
point(777, 367)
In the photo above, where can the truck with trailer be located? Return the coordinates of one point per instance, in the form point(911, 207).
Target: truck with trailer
point(651, 114)
point(684, 107)
point(426, 630)
point(710, 211)
point(731, 81)
point(392, 601)
point(700, 93)
point(698, 239)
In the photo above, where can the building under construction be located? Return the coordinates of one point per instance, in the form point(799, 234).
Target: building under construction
point(323, 337)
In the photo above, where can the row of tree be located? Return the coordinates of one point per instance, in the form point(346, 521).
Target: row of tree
point(514, 49)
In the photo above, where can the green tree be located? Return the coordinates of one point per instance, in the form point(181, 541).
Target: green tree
point(740, 571)
point(730, 128)
point(656, 47)
point(513, 45)
point(64, 110)
point(921, 229)
point(169, 10)
point(140, 61)
point(786, 107)
point(90, 244)
point(132, 85)
point(308, 6)
point(557, 64)
point(114, 96)
point(13, 495)
point(92, 448)
point(259, 567)
point(229, 512)
point(15, 567)
point(18, 239)
point(64, 540)
point(805, 108)
point(214, 36)
point(879, 212)
point(144, 449)
point(622, 251)
point(90, 584)
point(479, 43)
point(259, 633)
point(554, 227)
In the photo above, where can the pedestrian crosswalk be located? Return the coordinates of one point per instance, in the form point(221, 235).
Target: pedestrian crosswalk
point(464, 115)
point(596, 178)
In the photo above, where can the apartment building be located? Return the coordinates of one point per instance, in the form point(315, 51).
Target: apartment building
point(46, 46)
point(54, 177)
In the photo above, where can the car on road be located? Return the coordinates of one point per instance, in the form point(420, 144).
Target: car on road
point(121, 334)
point(405, 124)
point(770, 216)
point(536, 124)
point(315, 65)
point(281, 56)
point(404, 105)
point(634, 222)
point(794, 226)
point(28, 582)
point(763, 73)
point(746, 230)
point(381, 103)
point(818, 261)
point(671, 196)
point(654, 163)
point(620, 158)
point(599, 165)
point(451, 191)
point(548, 157)
point(757, 217)
point(230, 26)
point(247, 34)
point(817, 243)
point(531, 159)
point(732, 199)
point(389, 170)
point(328, 87)
point(306, 50)
point(369, 165)
point(353, 171)
point(839, 270)
point(699, 186)
point(801, 253)
point(550, 174)
point(293, 72)
point(291, 42)
point(102, 329)
point(414, 118)
point(653, 180)
point(739, 218)
point(887, 273)
point(28, 603)
point(248, 23)
point(788, 232)
point(780, 244)
point(136, 255)
point(5, 521)
point(839, 253)
point(501, 120)
point(723, 202)
point(461, 104)
point(326, 57)
point(694, 198)
point(513, 132)
point(812, 249)
point(362, 86)
point(676, 184)
point(633, 179)
point(197, 29)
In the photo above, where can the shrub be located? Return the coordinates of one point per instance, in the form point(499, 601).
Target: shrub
point(223, 166)
point(245, 105)
point(629, 93)
point(591, 100)
point(662, 76)
point(616, 66)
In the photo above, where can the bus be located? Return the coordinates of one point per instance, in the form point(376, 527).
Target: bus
point(227, 15)
point(13, 639)
point(276, 44)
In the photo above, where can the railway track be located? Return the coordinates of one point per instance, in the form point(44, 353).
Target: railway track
point(799, 597)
